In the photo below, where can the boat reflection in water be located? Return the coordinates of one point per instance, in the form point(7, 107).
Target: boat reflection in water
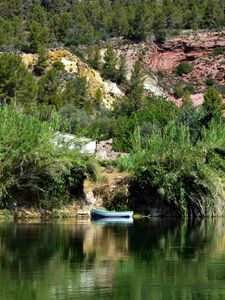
point(113, 221)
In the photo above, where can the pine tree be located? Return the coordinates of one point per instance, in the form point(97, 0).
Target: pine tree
point(122, 71)
point(136, 92)
point(213, 103)
point(39, 69)
point(49, 88)
point(133, 101)
point(94, 58)
point(16, 82)
point(6, 35)
point(38, 36)
point(142, 22)
point(186, 99)
point(109, 70)
point(98, 98)
point(76, 92)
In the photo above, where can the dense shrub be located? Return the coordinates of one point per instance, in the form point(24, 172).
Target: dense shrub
point(190, 177)
point(184, 68)
point(35, 172)
point(160, 36)
point(209, 81)
point(192, 117)
point(178, 91)
point(218, 51)
point(153, 112)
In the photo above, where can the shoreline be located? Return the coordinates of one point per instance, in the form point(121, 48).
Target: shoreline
point(65, 213)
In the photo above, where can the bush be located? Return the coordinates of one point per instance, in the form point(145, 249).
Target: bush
point(178, 91)
point(209, 81)
point(34, 172)
point(184, 68)
point(218, 51)
point(154, 112)
point(213, 103)
point(160, 36)
point(189, 177)
point(191, 117)
point(117, 201)
point(190, 89)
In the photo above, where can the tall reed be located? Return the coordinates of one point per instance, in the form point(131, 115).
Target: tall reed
point(33, 170)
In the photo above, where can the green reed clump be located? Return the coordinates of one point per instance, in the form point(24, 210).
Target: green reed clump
point(33, 170)
point(188, 176)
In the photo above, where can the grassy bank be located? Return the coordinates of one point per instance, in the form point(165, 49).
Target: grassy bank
point(34, 171)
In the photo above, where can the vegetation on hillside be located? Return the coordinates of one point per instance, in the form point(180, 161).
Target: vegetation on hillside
point(176, 153)
point(183, 162)
point(34, 171)
point(27, 25)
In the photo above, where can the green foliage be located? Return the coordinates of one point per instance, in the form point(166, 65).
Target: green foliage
point(184, 68)
point(220, 88)
point(123, 133)
point(193, 118)
point(219, 51)
point(136, 88)
point(160, 36)
point(94, 58)
point(49, 88)
point(190, 89)
point(80, 122)
point(98, 99)
point(41, 65)
point(109, 70)
point(213, 103)
point(141, 21)
point(186, 100)
point(58, 65)
point(190, 177)
point(178, 91)
point(76, 92)
point(118, 201)
point(16, 82)
point(154, 112)
point(124, 163)
point(31, 24)
point(121, 71)
point(38, 36)
point(35, 172)
point(209, 81)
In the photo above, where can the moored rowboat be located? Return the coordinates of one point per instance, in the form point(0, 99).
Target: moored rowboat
point(100, 213)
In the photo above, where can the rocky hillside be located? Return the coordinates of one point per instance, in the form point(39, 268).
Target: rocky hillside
point(205, 51)
point(74, 65)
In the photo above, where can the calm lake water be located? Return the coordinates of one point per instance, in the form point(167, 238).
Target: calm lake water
point(158, 259)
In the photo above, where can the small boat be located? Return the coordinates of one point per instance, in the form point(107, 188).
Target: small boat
point(100, 213)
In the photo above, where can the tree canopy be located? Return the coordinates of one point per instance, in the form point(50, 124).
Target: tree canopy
point(29, 25)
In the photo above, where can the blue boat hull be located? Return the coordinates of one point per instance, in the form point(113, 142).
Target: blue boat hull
point(97, 213)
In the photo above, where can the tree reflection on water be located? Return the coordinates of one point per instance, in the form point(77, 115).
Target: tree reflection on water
point(158, 259)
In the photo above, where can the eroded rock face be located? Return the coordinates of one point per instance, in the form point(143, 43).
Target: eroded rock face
point(74, 65)
point(188, 46)
point(197, 48)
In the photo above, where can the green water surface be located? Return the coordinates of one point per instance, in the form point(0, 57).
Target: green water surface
point(157, 259)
